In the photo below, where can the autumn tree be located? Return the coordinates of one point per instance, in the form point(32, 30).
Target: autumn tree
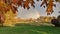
point(6, 5)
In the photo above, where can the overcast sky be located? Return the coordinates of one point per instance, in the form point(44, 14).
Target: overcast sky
point(37, 11)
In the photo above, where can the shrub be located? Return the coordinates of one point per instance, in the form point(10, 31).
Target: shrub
point(55, 22)
point(58, 18)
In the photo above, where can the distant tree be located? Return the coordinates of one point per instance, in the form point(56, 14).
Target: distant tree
point(57, 0)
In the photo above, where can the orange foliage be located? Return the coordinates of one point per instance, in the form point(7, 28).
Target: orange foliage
point(44, 2)
point(49, 4)
point(49, 9)
point(26, 4)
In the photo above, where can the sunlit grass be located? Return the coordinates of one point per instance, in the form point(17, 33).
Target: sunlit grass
point(27, 29)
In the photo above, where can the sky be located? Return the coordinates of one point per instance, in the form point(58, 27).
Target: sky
point(37, 11)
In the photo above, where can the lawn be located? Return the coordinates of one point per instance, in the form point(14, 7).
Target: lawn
point(24, 29)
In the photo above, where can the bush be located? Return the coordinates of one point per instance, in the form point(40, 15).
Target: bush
point(55, 22)
point(58, 18)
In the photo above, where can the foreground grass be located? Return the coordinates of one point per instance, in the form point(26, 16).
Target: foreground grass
point(30, 30)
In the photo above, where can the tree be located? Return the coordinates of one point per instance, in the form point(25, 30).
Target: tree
point(6, 5)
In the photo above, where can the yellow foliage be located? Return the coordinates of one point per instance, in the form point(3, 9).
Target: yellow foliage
point(9, 15)
point(9, 18)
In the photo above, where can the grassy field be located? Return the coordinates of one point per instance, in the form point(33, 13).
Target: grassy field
point(24, 29)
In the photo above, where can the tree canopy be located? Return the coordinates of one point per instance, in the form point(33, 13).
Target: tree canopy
point(13, 4)
point(6, 5)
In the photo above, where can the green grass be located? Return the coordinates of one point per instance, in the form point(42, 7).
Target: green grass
point(30, 30)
